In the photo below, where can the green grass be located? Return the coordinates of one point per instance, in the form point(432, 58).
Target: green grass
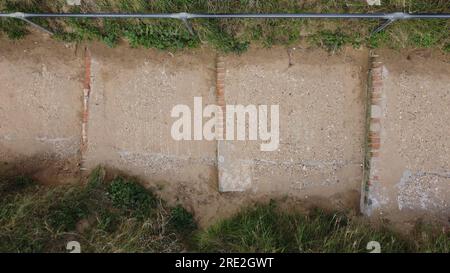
point(120, 215)
point(265, 228)
point(182, 220)
point(332, 40)
point(132, 197)
point(104, 216)
point(235, 35)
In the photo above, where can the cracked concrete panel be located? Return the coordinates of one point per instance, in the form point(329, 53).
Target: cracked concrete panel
point(234, 175)
point(321, 109)
point(41, 88)
point(132, 96)
point(415, 146)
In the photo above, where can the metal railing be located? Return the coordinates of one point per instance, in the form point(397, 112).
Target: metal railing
point(184, 17)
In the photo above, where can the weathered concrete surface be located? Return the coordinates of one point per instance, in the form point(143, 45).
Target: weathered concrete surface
point(414, 157)
point(321, 101)
point(129, 127)
point(133, 92)
point(40, 100)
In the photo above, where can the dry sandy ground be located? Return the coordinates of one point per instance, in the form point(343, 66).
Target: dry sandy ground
point(415, 149)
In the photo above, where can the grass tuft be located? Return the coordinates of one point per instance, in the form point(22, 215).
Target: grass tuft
point(182, 220)
point(104, 216)
point(130, 196)
point(331, 40)
point(265, 228)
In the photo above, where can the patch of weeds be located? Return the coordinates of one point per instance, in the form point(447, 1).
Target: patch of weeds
point(84, 29)
point(107, 220)
point(115, 217)
point(266, 229)
point(256, 32)
point(331, 40)
point(160, 35)
point(446, 48)
point(182, 220)
point(111, 32)
point(78, 202)
point(431, 239)
point(67, 37)
point(132, 197)
point(24, 218)
point(335, 232)
point(71, 208)
point(356, 40)
point(424, 40)
point(279, 31)
point(17, 29)
point(96, 178)
point(431, 33)
point(258, 229)
point(14, 29)
point(233, 35)
point(379, 39)
point(15, 184)
point(129, 219)
point(133, 5)
point(224, 41)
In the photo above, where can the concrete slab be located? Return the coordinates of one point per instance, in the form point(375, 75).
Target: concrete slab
point(414, 156)
point(40, 90)
point(321, 102)
point(129, 127)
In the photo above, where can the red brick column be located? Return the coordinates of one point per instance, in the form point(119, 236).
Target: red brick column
point(374, 138)
point(220, 92)
point(85, 114)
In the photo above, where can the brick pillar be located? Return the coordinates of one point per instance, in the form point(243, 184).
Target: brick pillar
point(374, 138)
point(220, 93)
point(85, 114)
